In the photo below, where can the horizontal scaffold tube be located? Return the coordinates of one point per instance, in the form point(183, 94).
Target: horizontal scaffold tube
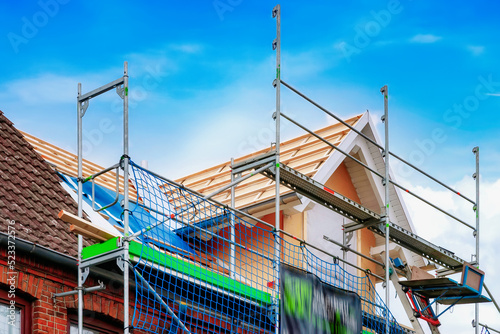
point(374, 142)
point(253, 218)
point(349, 249)
point(368, 272)
point(93, 176)
point(101, 90)
point(375, 172)
point(201, 195)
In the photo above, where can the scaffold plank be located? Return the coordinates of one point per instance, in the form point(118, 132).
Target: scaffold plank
point(361, 216)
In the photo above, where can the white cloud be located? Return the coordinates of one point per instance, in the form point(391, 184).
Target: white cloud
point(425, 38)
point(476, 50)
point(441, 230)
point(493, 94)
point(236, 120)
point(49, 88)
point(187, 47)
point(309, 63)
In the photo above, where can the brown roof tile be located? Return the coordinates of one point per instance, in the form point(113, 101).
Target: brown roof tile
point(31, 194)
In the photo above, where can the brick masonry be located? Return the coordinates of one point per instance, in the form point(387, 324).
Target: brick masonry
point(31, 195)
point(37, 282)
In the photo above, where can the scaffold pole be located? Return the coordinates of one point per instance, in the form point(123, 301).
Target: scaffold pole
point(277, 47)
point(385, 220)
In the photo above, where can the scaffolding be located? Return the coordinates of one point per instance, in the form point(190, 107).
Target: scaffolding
point(262, 299)
point(121, 87)
point(362, 217)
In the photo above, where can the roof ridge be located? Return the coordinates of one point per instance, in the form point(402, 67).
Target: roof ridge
point(304, 152)
point(264, 150)
point(305, 148)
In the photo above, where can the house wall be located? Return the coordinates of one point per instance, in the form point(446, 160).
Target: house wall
point(365, 241)
point(341, 181)
point(37, 281)
point(322, 221)
point(310, 225)
point(252, 269)
point(291, 252)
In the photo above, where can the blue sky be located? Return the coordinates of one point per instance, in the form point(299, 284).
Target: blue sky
point(201, 74)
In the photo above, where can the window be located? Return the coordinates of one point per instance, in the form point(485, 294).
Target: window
point(14, 318)
point(92, 325)
point(10, 319)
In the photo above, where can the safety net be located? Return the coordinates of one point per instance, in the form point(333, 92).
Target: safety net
point(199, 267)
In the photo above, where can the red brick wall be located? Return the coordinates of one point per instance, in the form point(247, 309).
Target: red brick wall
point(37, 282)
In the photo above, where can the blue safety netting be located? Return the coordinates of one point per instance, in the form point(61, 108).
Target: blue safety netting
point(484, 330)
point(229, 283)
point(101, 198)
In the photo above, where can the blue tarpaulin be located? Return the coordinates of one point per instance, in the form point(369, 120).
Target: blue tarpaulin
point(104, 196)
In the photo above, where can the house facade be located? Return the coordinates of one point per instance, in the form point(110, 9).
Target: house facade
point(38, 252)
point(39, 180)
point(307, 219)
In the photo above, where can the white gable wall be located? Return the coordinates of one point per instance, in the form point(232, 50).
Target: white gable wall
point(322, 221)
point(399, 213)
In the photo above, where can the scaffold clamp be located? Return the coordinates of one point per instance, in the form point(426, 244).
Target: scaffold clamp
point(275, 10)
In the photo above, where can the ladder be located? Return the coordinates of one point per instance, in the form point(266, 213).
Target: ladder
point(406, 304)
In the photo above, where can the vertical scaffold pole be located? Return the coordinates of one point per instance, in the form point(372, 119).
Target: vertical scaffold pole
point(233, 233)
point(475, 150)
point(277, 255)
point(344, 251)
point(80, 211)
point(125, 202)
point(385, 154)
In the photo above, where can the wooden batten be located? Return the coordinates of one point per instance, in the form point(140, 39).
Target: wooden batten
point(87, 234)
point(85, 228)
point(67, 163)
point(304, 153)
point(418, 273)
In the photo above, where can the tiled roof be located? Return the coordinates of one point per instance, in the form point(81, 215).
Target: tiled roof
point(31, 194)
point(305, 154)
point(67, 163)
